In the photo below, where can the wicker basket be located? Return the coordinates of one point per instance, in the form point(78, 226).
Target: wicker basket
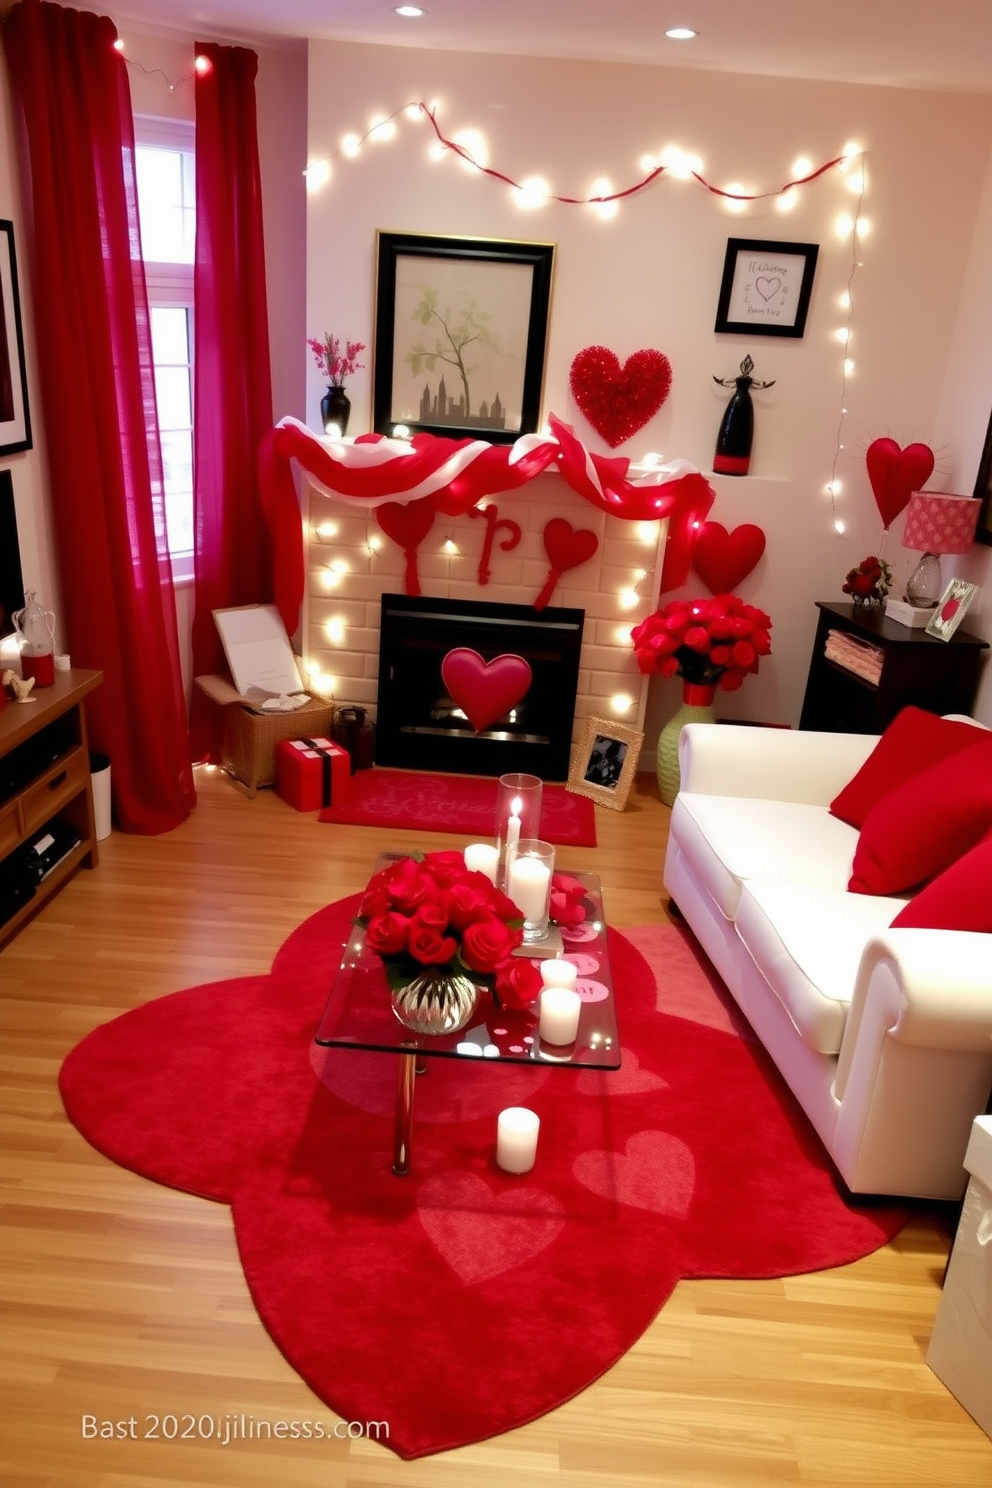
point(249, 739)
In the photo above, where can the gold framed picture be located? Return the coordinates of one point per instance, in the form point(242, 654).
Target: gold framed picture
point(604, 761)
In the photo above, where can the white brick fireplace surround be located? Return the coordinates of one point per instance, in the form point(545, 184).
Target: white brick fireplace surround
point(351, 564)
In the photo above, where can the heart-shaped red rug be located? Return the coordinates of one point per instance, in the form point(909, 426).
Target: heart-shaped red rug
point(617, 400)
point(894, 474)
point(722, 559)
point(461, 1302)
point(485, 690)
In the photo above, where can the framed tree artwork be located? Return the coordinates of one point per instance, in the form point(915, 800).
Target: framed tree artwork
point(461, 327)
point(15, 420)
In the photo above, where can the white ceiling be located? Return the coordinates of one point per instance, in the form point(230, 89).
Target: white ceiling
point(938, 44)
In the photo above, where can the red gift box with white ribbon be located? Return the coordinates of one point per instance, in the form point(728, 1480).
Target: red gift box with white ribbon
point(312, 773)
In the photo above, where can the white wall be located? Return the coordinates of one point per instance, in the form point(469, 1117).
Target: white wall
point(650, 276)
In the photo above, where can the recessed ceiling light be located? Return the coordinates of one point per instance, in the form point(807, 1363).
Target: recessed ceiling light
point(681, 33)
point(409, 12)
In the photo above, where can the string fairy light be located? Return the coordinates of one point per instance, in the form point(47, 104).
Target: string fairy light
point(467, 147)
point(845, 332)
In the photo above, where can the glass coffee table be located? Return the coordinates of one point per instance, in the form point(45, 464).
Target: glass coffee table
point(359, 1015)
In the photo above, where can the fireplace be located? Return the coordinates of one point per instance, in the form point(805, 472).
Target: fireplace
point(419, 726)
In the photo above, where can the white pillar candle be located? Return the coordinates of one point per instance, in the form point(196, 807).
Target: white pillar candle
point(513, 826)
point(528, 883)
point(516, 1139)
point(482, 857)
point(558, 973)
point(560, 1009)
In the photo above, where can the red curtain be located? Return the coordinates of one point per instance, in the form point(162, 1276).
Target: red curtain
point(98, 397)
point(233, 399)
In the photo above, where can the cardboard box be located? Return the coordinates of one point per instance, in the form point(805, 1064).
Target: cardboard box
point(960, 1351)
point(250, 735)
point(312, 773)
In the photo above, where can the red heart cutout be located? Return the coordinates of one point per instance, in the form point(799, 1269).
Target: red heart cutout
point(484, 690)
point(657, 1172)
point(722, 559)
point(567, 546)
point(481, 1234)
point(617, 400)
point(895, 474)
point(406, 523)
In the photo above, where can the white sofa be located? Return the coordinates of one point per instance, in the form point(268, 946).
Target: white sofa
point(884, 1036)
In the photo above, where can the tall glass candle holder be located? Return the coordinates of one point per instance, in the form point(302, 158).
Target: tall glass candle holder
point(528, 884)
point(518, 814)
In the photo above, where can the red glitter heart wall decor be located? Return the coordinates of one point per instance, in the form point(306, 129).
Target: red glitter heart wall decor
point(617, 400)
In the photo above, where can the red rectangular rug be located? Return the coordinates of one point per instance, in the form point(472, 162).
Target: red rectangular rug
point(462, 804)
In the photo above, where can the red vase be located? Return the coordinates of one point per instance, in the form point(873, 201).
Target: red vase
point(698, 694)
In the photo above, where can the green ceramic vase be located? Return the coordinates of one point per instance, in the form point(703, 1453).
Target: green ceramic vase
point(698, 710)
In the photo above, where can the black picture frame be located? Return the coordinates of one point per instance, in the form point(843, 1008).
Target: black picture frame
point(983, 490)
point(766, 287)
point(502, 290)
point(15, 417)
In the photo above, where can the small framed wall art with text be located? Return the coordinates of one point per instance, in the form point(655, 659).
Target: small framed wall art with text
point(766, 287)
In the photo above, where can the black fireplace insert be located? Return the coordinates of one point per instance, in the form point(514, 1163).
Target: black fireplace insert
point(419, 726)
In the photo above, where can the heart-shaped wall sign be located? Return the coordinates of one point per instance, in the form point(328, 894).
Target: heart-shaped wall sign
point(617, 400)
point(485, 690)
point(722, 559)
point(895, 474)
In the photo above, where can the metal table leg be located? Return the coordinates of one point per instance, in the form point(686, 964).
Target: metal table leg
point(403, 1127)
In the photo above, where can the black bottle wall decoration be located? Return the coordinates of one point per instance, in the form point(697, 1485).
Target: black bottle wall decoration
point(736, 432)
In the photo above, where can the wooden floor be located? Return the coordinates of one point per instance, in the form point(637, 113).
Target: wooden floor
point(125, 1302)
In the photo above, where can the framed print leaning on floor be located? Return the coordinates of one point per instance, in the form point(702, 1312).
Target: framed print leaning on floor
point(604, 762)
point(461, 328)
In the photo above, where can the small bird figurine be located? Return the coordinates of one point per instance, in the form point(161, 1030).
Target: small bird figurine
point(22, 686)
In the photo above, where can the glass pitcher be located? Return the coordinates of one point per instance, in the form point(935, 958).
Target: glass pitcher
point(36, 638)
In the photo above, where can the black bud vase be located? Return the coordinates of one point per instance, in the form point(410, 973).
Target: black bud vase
point(335, 408)
point(736, 432)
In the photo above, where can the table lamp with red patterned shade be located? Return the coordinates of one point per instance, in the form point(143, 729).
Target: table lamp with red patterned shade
point(936, 522)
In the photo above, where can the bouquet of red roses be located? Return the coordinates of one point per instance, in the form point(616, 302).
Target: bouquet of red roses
point(433, 911)
point(870, 582)
point(705, 641)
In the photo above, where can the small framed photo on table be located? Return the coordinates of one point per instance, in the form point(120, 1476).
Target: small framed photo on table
point(951, 609)
point(604, 762)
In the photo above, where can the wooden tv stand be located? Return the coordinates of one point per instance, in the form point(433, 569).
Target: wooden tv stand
point(46, 783)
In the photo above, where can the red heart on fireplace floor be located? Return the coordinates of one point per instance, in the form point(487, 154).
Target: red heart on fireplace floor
point(484, 690)
point(617, 400)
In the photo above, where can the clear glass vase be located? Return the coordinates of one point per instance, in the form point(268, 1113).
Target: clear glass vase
point(437, 999)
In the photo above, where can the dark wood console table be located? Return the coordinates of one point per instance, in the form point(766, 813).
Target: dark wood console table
point(941, 676)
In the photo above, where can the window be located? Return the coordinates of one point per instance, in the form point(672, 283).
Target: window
point(165, 170)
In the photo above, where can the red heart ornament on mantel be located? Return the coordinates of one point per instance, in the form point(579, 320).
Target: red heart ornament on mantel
point(617, 400)
point(722, 559)
point(894, 474)
point(566, 548)
point(485, 690)
point(407, 524)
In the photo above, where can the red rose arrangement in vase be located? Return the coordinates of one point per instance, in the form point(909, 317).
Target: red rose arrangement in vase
point(430, 920)
point(709, 643)
point(869, 583)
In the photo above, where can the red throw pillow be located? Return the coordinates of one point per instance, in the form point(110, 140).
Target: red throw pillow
point(913, 741)
point(920, 828)
point(960, 898)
